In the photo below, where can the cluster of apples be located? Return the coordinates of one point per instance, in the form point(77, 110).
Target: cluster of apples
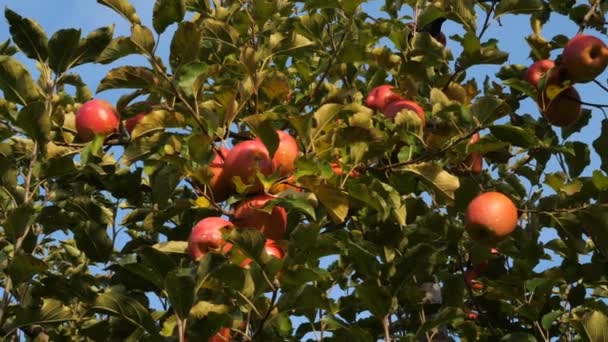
point(383, 98)
point(243, 163)
point(584, 58)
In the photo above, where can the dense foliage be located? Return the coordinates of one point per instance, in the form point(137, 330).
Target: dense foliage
point(375, 247)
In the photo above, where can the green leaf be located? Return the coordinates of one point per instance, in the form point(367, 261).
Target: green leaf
point(444, 317)
point(118, 48)
point(16, 82)
point(167, 12)
point(185, 38)
point(52, 311)
point(436, 176)
point(191, 77)
point(62, 46)
point(143, 38)
point(93, 45)
point(249, 241)
point(596, 326)
point(600, 180)
point(333, 199)
point(116, 303)
point(476, 53)
point(163, 182)
point(156, 121)
point(35, 121)
point(549, 318)
point(28, 35)
point(600, 144)
point(582, 122)
point(298, 204)
point(463, 11)
point(23, 267)
point(515, 135)
point(517, 7)
point(17, 221)
point(92, 238)
point(180, 247)
point(179, 285)
point(269, 137)
point(375, 298)
point(579, 159)
point(129, 77)
point(202, 309)
point(122, 7)
point(487, 109)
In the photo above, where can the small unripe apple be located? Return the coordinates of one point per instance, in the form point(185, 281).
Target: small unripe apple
point(381, 96)
point(564, 110)
point(537, 70)
point(491, 217)
point(286, 154)
point(224, 335)
point(207, 236)
point(132, 122)
point(245, 160)
point(585, 57)
point(220, 185)
point(271, 248)
point(96, 117)
point(248, 214)
point(391, 110)
point(474, 162)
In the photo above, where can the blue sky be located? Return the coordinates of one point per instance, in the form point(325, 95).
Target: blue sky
point(88, 15)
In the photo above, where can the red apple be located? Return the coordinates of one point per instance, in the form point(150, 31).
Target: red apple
point(491, 217)
point(340, 172)
point(472, 315)
point(381, 96)
point(494, 251)
point(96, 117)
point(285, 156)
point(220, 185)
point(245, 160)
point(207, 236)
point(223, 335)
point(474, 161)
point(441, 38)
point(537, 70)
point(564, 110)
point(391, 110)
point(132, 122)
point(271, 249)
point(585, 57)
point(247, 214)
point(469, 279)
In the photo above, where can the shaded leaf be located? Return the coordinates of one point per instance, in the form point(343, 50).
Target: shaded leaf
point(117, 48)
point(28, 35)
point(16, 82)
point(179, 285)
point(167, 12)
point(186, 38)
point(434, 174)
point(122, 7)
point(62, 46)
point(116, 303)
point(52, 311)
point(129, 77)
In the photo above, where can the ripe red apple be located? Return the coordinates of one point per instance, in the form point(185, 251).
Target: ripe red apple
point(585, 57)
point(96, 117)
point(340, 172)
point(472, 315)
point(224, 335)
point(391, 110)
point(245, 160)
point(381, 96)
point(207, 236)
point(285, 156)
point(490, 217)
point(271, 248)
point(474, 161)
point(564, 109)
point(441, 38)
point(132, 122)
point(537, 70)
point(220, 185)
point(247, 214)
point(469, 279)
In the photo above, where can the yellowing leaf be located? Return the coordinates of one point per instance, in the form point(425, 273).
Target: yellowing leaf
point(202, 202)
point(432, 173)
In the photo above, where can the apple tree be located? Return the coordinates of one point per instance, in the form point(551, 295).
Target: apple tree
point(306, 170)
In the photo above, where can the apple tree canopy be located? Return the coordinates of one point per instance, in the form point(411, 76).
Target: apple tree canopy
point(366, 210)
